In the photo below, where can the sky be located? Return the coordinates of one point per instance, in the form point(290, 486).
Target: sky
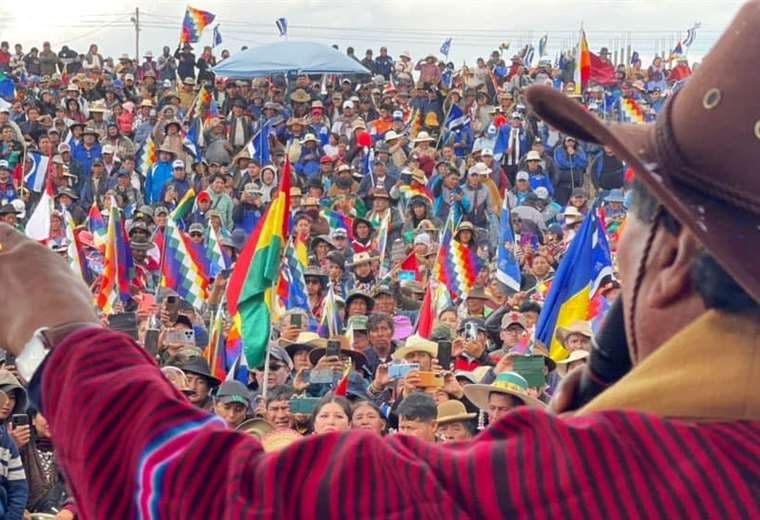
point(418, 26)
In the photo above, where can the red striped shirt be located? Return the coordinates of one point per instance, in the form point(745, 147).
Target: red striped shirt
point(117, 422)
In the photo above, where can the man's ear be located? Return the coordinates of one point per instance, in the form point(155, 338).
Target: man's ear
point(671, 263)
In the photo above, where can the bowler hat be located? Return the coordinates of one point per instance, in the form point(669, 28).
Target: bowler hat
point(199, 367)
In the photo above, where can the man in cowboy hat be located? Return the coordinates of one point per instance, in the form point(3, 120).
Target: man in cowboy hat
point(576, 336)
point(508, 391)
point(671, 426)
point(454, 423)
point(200, 381)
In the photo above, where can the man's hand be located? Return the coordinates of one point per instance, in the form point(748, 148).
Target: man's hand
point(563, 397)
point(44, 290)
point(20, 434)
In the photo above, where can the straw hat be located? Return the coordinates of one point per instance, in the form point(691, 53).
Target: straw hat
point(453, 411)
point(416, 343)
point(423, 137)
point(577, 327)
point(564, 366)
point(256, 427)
point(507, 383)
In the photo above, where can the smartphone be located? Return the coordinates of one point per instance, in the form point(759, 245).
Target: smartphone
point(444, 354)
point(184, 336)
point(470, 331)
point(333, 348)
point(20, 419)
point(295, 321)
point(172, 308)
point(10, 359)
point(303, 405)
point(400, 370)
point(322, 376)
point(151, 341)
point(407, 276)
point(125, 322)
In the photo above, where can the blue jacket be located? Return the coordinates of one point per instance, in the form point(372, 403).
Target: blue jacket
point(14, 489)
point(246, 216)
point(155, 181)
point(384, 66)
point(308, 165)
point(540, 179)
point(570, 167)
point(86, 157)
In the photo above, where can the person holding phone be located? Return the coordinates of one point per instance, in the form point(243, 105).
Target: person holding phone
point(15, 433)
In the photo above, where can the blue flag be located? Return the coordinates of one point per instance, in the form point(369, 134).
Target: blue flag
point(456, 119)
point(217, 36)
point(258, 148)
point(502, 142)
point(507, 267)
point(190, 141)
point(7, 87)
point(369, 160)
point(577, 279)
point(446, 47)
point(282, 26)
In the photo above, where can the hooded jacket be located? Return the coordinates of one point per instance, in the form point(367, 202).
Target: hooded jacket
point(14, 489)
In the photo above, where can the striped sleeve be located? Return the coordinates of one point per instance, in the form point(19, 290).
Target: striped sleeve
point(16, 469)
point(133, 447)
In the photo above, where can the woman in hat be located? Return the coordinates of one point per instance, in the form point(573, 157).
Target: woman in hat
point(358, 303)
point(363, 232)
point(425, 151)
point(419, 210)
point(454, 423)
point(307, 165)
point(316, 283)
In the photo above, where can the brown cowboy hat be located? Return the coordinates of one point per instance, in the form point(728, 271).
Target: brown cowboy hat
point(679, 158)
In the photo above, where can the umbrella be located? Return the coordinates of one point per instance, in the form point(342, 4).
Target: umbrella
point(288, 57)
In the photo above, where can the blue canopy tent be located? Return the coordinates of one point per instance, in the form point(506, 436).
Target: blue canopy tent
point(288, 57)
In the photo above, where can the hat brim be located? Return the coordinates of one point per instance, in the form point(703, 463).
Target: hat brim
point(213, 382)
point(401, 353)
point(456, 418)
point(357, 357)
point(715, 223)
point(478, 395)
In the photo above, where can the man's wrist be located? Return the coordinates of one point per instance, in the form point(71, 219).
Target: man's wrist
point(42, 342)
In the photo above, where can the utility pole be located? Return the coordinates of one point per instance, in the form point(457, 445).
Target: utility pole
point(136, 21)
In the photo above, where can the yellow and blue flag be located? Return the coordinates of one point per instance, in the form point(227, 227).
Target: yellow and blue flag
point(579, 275)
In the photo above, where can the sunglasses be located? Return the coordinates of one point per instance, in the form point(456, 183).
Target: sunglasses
point(196, 234)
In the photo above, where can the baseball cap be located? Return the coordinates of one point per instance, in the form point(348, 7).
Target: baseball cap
point(348, 104)
point(542, 193)
point(233, 392)
point(64, 147)
point(522, 176)
point(422, 238)
point(398, 115)
point(179, 163)
point(195, 228)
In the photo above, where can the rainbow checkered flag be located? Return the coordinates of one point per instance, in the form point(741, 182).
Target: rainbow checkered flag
point(193, 24)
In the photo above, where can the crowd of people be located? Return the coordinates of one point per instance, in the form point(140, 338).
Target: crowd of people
point(380, 170)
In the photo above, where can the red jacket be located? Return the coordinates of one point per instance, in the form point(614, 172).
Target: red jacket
point(132, 446)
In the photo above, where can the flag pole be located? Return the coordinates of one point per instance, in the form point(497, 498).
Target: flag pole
point(443, 125)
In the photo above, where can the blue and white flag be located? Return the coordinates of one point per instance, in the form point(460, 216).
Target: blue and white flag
point(238, 371)
point(282, 26)
point(190, 141)
point(456, 119)
point(542, 45)
point(258, 147)
point(507, 267)
point(369, 161)
point(528, 58)
point(446, 47)
point(35, 179)
point(691, 35)
point(217, 36)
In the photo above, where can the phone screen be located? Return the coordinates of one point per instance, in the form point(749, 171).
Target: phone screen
point(333, 348)
point(444, 354)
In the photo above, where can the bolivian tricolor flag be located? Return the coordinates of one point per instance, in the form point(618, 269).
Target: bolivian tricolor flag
point(249, 291)
point(582, 64)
